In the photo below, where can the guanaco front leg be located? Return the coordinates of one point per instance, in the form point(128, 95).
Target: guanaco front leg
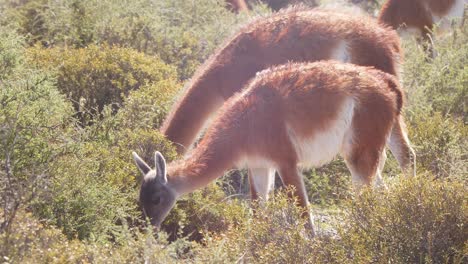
point(262, 181)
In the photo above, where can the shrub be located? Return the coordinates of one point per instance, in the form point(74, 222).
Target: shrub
point(33, 118)
point(417, 220)
point(274, 234)
point(204, 212)
point(182, 33)
point(441, 144)
point(148, 106)
point(437, 95)
point(329, 184)
point(54, 22)
point(33, 242)
point(96, 76)
point(11, 52)
point(439, 84)
point(98, 176)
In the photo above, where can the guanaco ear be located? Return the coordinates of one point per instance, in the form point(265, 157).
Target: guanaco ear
point(160, 167)
point(141, 164)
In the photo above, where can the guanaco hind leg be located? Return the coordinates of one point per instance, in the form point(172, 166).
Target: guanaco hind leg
point(364, 163)
point(378, 181)
point(400, 147)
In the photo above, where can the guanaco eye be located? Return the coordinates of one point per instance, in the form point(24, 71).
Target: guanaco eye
point(156, 200)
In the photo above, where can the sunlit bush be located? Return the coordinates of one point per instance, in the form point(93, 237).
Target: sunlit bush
point(441, 144)
point(33, 242)
point(182, 33)
point(203, 213)
point(415, 221)
point(329, 184)
point(93, 194)
point(275, 233)
point(439, 84)
point(96, 76)
point(33, 118)
point(148, 106)
point(436, 111)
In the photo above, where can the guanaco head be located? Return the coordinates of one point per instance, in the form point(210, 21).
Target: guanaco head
point(156, 197)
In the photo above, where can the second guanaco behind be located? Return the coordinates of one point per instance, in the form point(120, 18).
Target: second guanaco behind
point(298, 114)
point(296, 34)
point(419, 16)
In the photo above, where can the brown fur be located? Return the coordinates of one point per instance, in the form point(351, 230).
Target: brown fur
point(414, 13)
point(295, 34)
point(304, 98)
point(237, 5)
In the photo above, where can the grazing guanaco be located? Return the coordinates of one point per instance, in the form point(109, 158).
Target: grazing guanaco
point(297, 114)
point(419, 16)
point(295, 34)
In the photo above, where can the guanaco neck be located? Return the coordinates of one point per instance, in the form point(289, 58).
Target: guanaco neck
point(214, 155)
point(188, 116)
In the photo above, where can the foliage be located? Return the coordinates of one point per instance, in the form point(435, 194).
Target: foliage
point(104, 182)
point(203, 213)
point(275, 234)
point(33, 116)
point(33, 242)
point(437, 95)
point(328, 184)
point(182, 33)
point(96, 76)
point(68, 187)
point(417, 220)
point(441, 143)
point(438, 84)
point(148, 106)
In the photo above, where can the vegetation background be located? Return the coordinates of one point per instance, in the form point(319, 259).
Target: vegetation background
point(85, 82)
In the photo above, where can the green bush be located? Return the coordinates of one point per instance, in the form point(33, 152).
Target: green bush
point(11, 52)
point(33, 242)
point(203, 213)
point(274, 234)
point(407, 223)
point(436, 111)
point(96, 76)
point(441, 144)
point(33, 118)
point(182, 33)
point(148, 106)
point(439, 84)
point(417, 220)
point(329, 184)
point(54, 22)
point(99, 176)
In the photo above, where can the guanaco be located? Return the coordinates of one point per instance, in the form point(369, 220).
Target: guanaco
point(297, 114)
point(295, 34)
point(419, 16)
